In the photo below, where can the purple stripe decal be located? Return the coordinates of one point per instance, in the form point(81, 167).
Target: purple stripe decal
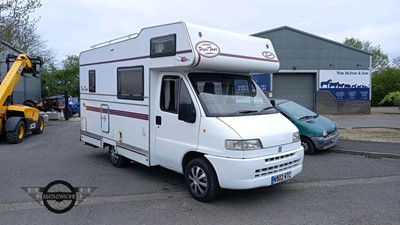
point(133, 58)
point(248, 57)
point(184, 51)
point(119, 113)
point(117, 60)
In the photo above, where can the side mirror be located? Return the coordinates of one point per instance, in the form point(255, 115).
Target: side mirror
point(272, 102)
point(187, 113)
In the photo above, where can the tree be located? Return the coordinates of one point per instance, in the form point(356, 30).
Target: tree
point(19, 30)
point(391, 98)
point(396, 62)
point(384, 82)
point(55, 81)
point(380, 60)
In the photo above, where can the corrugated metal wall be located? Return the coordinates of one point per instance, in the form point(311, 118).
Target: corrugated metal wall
point(301, 53)
point(307, 52)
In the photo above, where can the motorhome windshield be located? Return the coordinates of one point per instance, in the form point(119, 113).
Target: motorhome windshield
point(223, 95)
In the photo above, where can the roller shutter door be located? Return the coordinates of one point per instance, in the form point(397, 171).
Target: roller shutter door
point(298, 87)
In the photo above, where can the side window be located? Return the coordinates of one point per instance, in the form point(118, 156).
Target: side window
point(169, 94)
point(92, 81)
point(186, 110)
point(130, 83)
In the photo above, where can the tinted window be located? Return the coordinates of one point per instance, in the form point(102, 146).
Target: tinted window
point(130, 83)
point(169, 94)
point(92, 81)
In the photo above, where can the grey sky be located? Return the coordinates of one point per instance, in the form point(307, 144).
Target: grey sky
point(72, 26)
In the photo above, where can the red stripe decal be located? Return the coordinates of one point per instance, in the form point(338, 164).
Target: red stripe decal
point(119, 113)
point(248, 57)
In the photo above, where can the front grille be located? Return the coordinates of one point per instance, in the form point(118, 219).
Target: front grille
point(277, 168)
point(279, 157)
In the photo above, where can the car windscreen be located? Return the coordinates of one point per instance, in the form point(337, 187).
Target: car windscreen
point(229, 95)
point(295, 110)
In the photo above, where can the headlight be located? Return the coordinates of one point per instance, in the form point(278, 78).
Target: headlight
point(243, 144)
point(325, 134)
point(296, 137)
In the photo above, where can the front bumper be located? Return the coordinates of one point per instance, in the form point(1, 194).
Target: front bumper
point(322, 143)
point(255, 172)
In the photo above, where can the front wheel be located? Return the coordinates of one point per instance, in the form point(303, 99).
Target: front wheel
point(201, 180)
point(17, 136)
point(39, 126)
point(116, 159)
point(308, 146)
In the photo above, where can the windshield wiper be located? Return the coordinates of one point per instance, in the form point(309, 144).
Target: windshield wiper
point(243, 112)
point(306, 117)
point(266, 108)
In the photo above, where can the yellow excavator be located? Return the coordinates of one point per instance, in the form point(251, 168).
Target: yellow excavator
point(17, 120)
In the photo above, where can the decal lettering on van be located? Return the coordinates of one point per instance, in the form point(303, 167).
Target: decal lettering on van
point(207, 49)
point(268, 55)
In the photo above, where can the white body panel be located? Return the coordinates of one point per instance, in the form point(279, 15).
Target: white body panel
point(145, 131)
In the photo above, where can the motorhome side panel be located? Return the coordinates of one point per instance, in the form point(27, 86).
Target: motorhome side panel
point(110, 111)
point(108, 118)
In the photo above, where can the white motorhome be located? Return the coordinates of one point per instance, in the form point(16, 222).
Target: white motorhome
point(180, 96)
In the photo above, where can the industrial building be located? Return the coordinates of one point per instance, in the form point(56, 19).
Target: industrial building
point(320, 74)
point(28, 87)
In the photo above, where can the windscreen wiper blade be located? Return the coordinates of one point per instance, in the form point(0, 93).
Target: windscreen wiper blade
point(266, 108)
point(244, 112)
point(306, 117)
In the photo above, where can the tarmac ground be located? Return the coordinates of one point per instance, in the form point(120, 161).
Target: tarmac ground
point(380, 117)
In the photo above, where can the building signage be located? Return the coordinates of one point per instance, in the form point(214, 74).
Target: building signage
point(346, 84)
point(263, 81)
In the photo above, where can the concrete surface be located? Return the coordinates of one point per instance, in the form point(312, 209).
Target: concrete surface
point(387, 117)
point(384, 117)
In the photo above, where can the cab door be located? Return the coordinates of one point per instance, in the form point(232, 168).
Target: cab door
point(177, 121)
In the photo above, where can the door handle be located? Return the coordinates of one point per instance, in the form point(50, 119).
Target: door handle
point(158, 120)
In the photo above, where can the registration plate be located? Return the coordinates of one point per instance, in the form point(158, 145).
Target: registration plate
point(281, 177)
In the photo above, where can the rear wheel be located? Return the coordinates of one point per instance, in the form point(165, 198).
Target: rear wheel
point(29, 103)
point(201, 180)
point(308, 146)
point(17, 136)
point(116, 159)
point(39, 126)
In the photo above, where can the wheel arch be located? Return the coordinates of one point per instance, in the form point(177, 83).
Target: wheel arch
point(188, 157)
point(313, 147)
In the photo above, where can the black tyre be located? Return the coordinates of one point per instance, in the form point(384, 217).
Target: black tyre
point(29, 103)
point(39, 126)
point(115, 159)
point(308, 146)
point(17, 136)
point(201, 180)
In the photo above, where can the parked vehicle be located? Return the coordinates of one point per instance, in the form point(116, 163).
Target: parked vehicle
point(57, 103)
point(74, 105)
point(180, 96)
point(17, 120)
point(316, 132)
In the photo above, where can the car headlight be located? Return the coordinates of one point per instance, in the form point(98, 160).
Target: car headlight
point(243, 144)
point(296, 137)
